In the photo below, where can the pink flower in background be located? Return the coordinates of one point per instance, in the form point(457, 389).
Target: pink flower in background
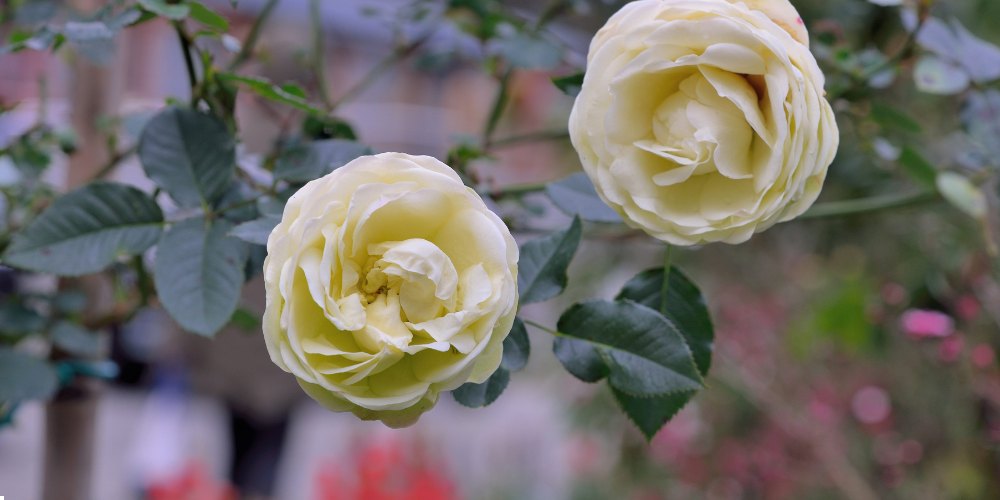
point(894, 294)
point(871, 405)
point(951, 348)
point(967, 307)
point(982, 356)
point(923, 323)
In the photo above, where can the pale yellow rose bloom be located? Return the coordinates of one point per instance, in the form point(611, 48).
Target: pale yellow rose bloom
point(388, 281)
point(704, 120)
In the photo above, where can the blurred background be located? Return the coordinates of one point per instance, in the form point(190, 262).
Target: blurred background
point(856, 357)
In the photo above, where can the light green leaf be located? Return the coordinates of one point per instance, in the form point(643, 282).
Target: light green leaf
point(530, 51)
point(305, 162)
point(480, 395)
point(575, 195)
point(246, 320)
point(917, 166)
point(288, 93)
point(257, 230)
point(644, 353)
point(542, 269)
point(76, 340)
point(961, 193)
point(890, 117)
point(199, 274)
point(174, 12)
point(516, 347)
point(208, 17)
point(189, 154)
point(24, 377)
point(685, 309)
point(87, 230)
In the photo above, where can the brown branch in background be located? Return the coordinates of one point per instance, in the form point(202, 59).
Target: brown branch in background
point(318, 57)
point(826, 447)
point(381, 67)
point(116, 158)
point(246, 51)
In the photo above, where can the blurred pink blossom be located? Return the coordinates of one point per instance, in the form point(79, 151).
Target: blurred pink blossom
point(893, 294)
point(982, 356)
point(923, 323)
point(967, 307)
point(951, 348)
point(871, 405)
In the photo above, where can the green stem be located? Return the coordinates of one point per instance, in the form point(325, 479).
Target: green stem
point(543, 327)
point(319, 72)
point(239, 204)
point(868, 205)
point(518, 190)
point(665, 287)
point(113, 162)
point(188, 60)
point(142, 281)
point(496, 111)
point(541, 136)
point(248, 46)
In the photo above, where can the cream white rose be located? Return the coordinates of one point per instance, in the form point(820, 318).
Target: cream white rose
point(704, 120)
point(388, 281)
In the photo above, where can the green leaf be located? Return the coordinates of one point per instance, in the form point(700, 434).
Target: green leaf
point(69, 302)
point(288, 93)
point(17, 320)
point(208, 17)
point(199, 274)
point(651, 414)
point(917, 166)
point(890, 117)
point(257, 230)
point(961, 193)
point(312, 160)
point(24, 377)
point(575, 195)
point(580, 358)
point(685, 309)
point(542, 269)
point(480, 395)
point(246, 320)
point(87, 230)
point(644, 353)
point(570, 84)
point(189, 154)
point(76, 340)
point(174, 12)
point(530, 51)
point(516, 347)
